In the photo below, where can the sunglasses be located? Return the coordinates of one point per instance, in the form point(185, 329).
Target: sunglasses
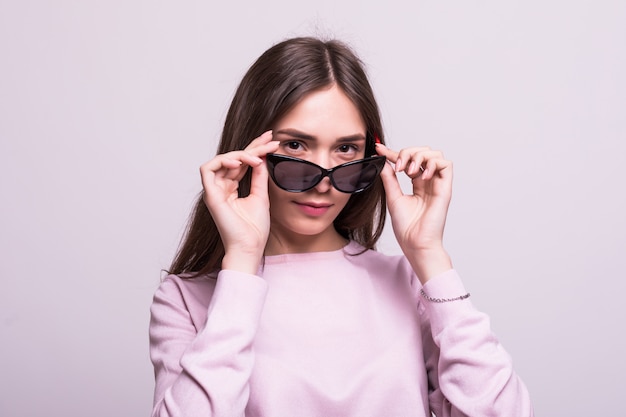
point(297, 175)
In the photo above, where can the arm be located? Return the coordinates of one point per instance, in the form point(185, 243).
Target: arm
point(243, 223)
point(205, 371)
point(469, 372)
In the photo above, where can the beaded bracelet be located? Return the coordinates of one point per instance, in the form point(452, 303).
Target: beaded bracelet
point(443, 300)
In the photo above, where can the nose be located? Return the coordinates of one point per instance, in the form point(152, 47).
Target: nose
point(324, 185)
point(324, 161)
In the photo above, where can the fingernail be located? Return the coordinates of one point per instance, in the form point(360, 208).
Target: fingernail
point(398, 164)
point(377, 139)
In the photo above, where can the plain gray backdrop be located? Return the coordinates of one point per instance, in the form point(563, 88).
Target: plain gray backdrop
point(108, 108)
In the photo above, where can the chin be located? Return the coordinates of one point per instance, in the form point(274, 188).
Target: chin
point(304, 227)
point(309, 229)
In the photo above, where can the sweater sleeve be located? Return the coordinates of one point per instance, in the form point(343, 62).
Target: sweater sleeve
point(469, 372)
point(205, 371)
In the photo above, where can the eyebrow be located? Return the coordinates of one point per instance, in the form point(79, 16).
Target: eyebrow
point(305, 136)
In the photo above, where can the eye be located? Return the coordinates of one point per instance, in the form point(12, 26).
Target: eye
point(348, 150)
point(293, 145)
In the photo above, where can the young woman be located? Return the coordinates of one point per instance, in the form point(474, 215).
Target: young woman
point(278, 304)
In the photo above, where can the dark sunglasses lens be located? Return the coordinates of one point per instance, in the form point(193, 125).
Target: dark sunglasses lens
point(356, 177)
point(296, 176)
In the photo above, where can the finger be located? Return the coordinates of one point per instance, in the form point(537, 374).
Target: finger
point(208, 179)
point(391, 183)
point(414, 169)
point(224, 171)
point(266, 148)
point(261, 142)
point(418, 161)
point(390, 154)
point(402, 158)
point(227, 169)
point(410, 159)
point(251, 155)
point(263, 138)
point(259, 180)
point(257, 148)
point(413, 160)
point(439, 166)
point(232, 160)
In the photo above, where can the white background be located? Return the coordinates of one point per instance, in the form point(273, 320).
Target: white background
point(107, 109)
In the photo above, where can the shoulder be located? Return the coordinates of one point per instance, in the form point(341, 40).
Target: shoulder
point(184, 295)
point(185, 286)
point(390, 268)
point(380, 264)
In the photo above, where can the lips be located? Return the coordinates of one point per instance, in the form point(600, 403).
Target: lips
point(313, 204)
point(312, 208)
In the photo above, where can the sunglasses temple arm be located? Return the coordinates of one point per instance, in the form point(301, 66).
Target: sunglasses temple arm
point(370, 147)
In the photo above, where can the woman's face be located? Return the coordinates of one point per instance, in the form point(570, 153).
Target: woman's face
point(325, 128)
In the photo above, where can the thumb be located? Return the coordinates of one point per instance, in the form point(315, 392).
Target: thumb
point(391, 183)
point(258, 180)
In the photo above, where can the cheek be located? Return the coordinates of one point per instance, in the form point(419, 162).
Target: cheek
point(274, 193)
point(341, 200)
point(344, 197)
point(279, 198)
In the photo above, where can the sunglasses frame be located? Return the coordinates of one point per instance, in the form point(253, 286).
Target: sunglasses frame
point(274, 159)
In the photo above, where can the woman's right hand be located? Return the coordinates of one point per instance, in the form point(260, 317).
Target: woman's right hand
point(243, 223)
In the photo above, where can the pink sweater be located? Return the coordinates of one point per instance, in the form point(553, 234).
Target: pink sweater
point(327, 334)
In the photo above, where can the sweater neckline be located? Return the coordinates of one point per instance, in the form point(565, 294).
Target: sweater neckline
point(350, 248)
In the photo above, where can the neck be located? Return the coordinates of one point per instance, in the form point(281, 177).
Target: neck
point(278, 244)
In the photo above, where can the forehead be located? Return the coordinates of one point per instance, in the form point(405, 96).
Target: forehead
point(326, 113)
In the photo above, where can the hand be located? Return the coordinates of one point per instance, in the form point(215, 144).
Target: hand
point(243, 223)
point(419, 219)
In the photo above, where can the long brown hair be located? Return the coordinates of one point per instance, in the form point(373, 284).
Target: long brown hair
point(273, 85)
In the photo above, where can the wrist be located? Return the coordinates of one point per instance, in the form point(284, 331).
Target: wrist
point(241, 262)
point(428, 263)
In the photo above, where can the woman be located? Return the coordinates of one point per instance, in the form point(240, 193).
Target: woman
point(278, 304)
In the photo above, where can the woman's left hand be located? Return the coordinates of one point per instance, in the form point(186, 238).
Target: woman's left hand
point(419, 218)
